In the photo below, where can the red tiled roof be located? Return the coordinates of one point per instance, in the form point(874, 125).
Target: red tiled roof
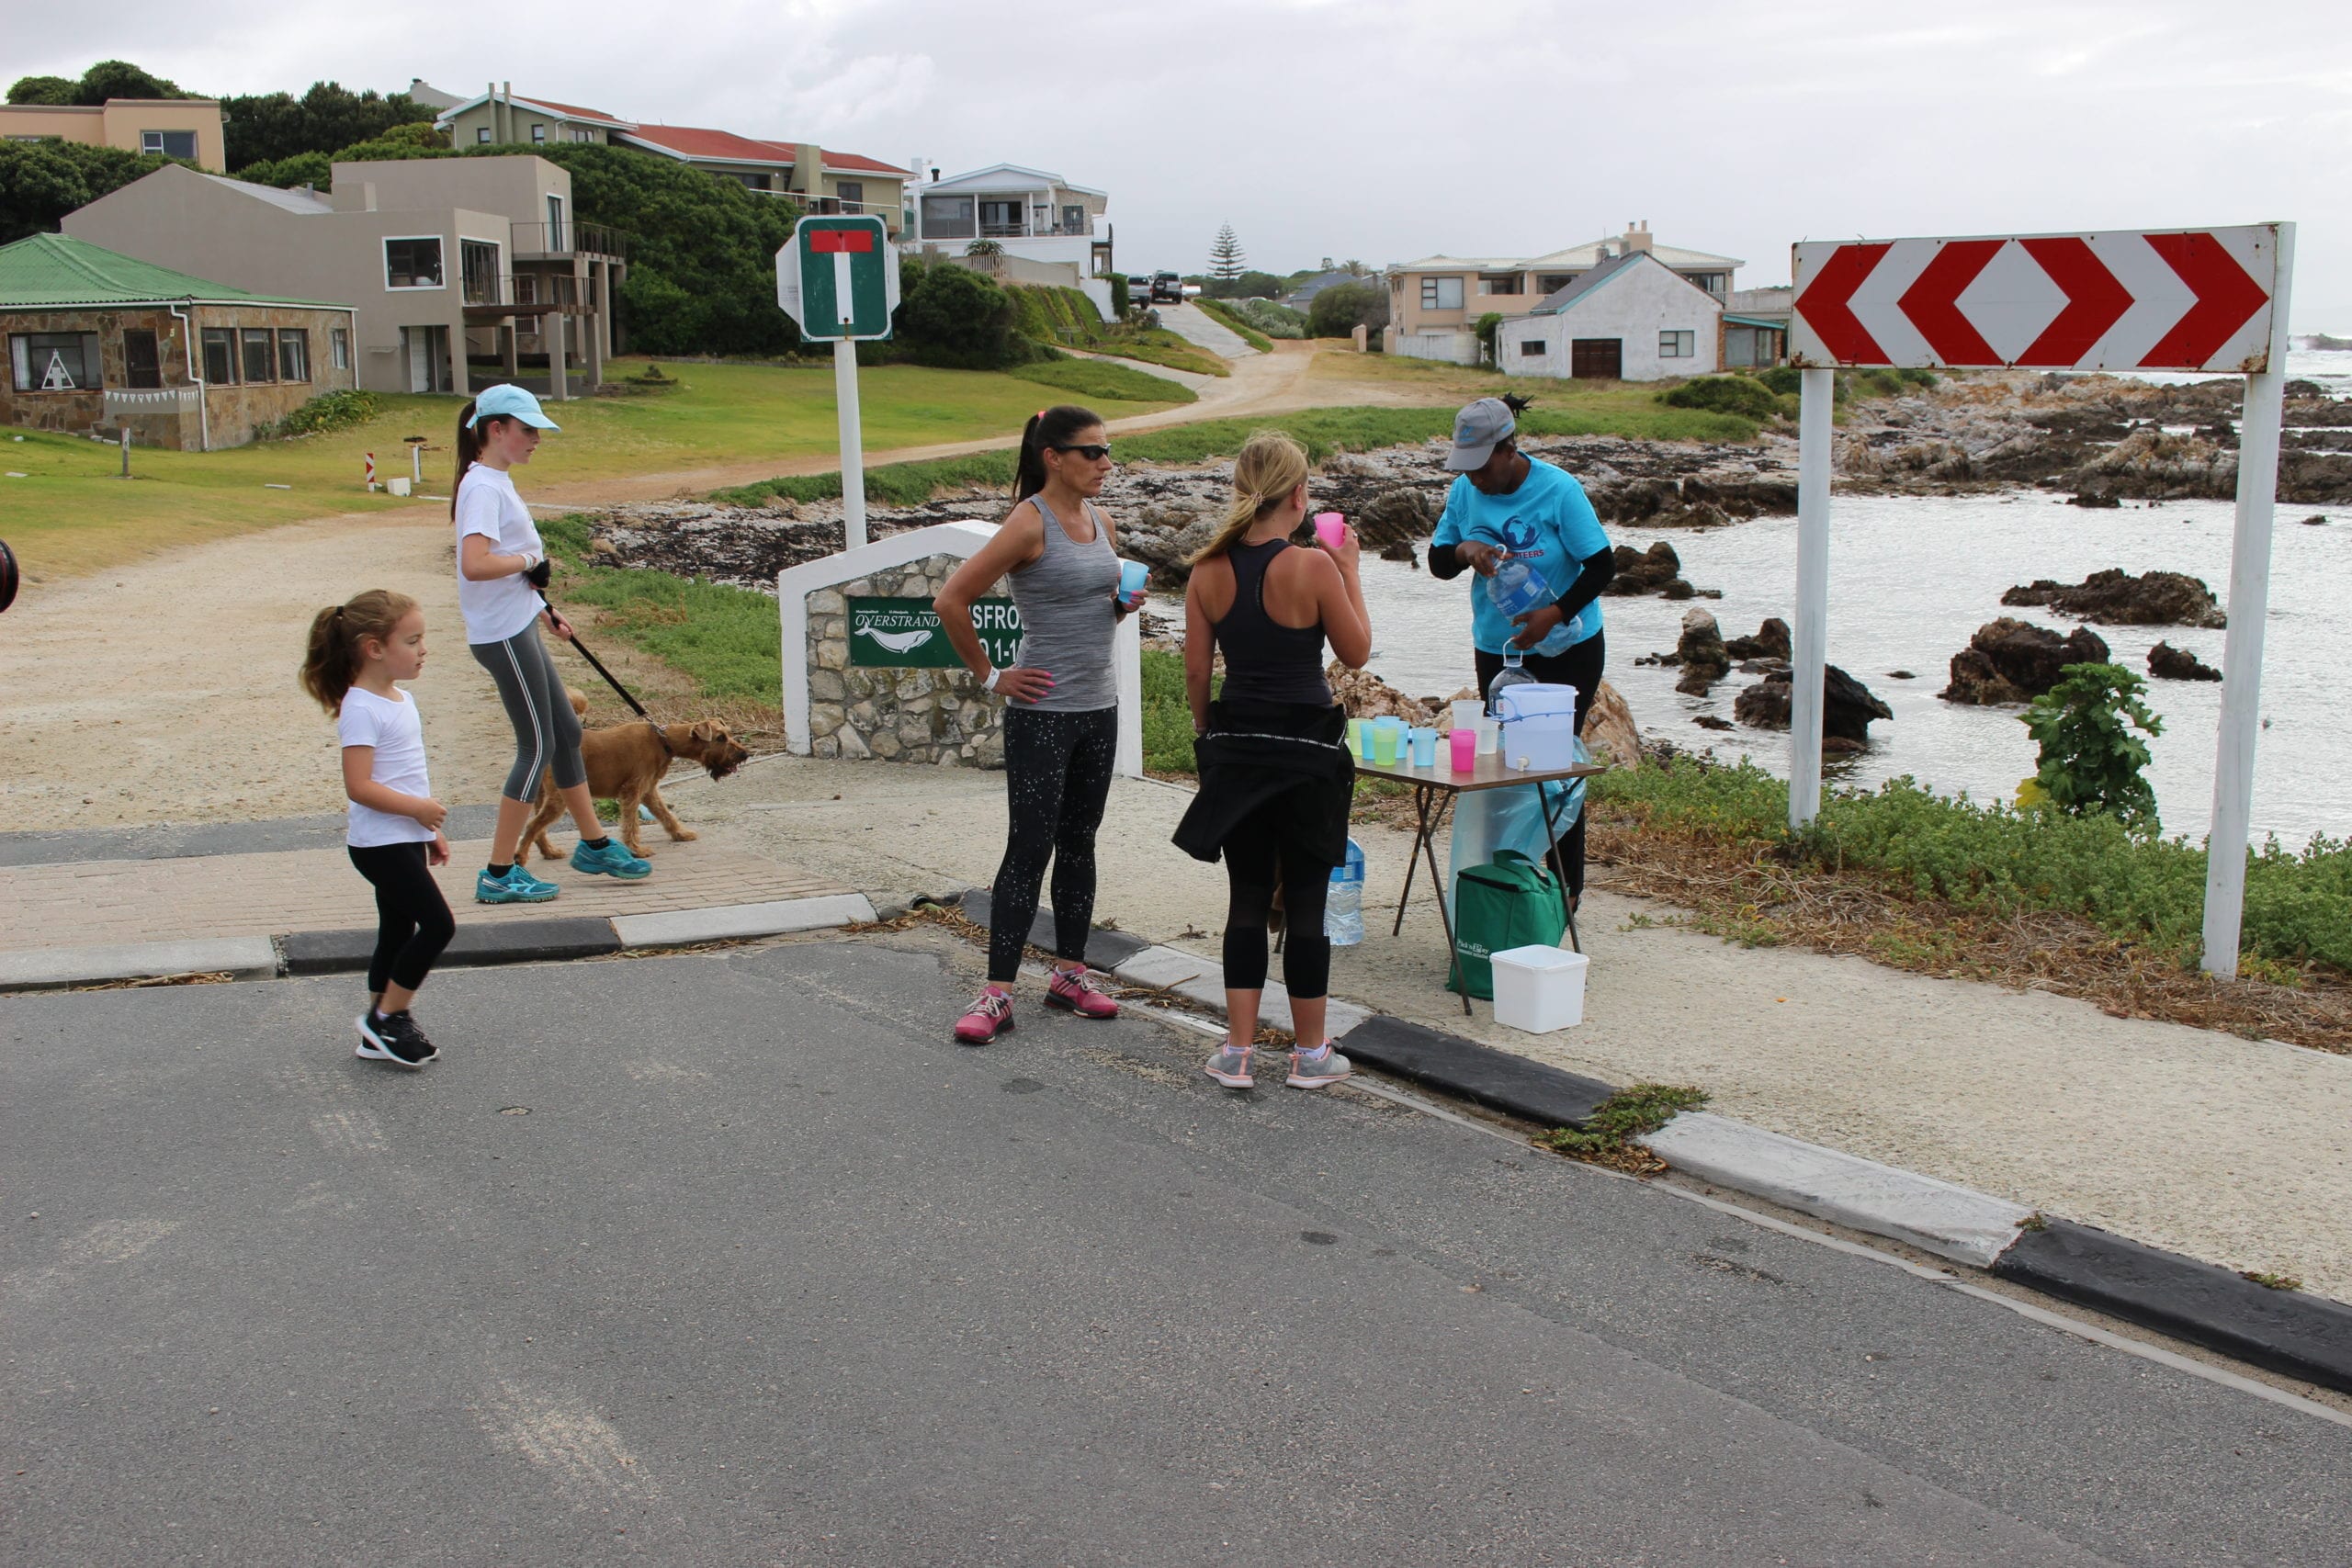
point(573, 109)
point(698, 141)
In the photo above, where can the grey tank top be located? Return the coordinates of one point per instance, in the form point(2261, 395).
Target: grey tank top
point(1067, 616)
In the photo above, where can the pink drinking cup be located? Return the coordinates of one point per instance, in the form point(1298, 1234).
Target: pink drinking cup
point(1465, 746)
point(1332, 528)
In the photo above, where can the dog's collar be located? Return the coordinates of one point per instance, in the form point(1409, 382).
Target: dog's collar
point(667, 749)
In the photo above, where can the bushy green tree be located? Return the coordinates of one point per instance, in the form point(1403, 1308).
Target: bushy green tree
point(2091, 759)
point(267, 128)
point(57, 92)
point(121, 79)
point(953, 317)
point(1343, 307)
point(40, 182)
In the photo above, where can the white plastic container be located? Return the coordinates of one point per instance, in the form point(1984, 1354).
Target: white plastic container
point(1539, 990)
point(397, 484)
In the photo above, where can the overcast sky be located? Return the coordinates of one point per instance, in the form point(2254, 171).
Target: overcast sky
point(1385, 129)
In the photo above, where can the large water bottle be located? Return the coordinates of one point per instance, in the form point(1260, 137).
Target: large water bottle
point(1516, 588)
point(1343, 908)
point(1514, 672)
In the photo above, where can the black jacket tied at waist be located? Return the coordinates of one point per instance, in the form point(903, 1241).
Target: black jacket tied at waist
point(1290, 758)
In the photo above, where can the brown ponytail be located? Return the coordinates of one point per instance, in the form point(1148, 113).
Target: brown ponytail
point(1047, 427)
point(333, 658)
point(469, 448)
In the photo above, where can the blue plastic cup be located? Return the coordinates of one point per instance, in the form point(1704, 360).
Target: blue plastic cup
point(1134, 576)
point(1424, 747)
point(1364, 732)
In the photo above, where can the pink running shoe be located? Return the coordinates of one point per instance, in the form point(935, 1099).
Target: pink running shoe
point(989, 1015)
point(1073, 990)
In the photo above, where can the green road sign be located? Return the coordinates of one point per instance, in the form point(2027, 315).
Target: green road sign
point(906, 633)
point(839, 278)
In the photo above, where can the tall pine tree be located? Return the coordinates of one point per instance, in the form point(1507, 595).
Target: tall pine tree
point(1227, 261)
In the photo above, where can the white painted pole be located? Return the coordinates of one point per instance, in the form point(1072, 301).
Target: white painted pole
point(852, 441)
point(2225, 847)
point(1817, 398)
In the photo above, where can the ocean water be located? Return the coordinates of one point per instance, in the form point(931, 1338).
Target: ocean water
point(1910, 579)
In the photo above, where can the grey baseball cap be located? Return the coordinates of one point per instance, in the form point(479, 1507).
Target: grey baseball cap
point(1477, 430)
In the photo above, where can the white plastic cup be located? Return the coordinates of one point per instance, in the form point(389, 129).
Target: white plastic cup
point(1467, 712)
point(1490, 735)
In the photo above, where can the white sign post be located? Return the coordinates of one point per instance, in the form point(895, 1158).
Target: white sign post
point(2211, 300)
point(838, 278)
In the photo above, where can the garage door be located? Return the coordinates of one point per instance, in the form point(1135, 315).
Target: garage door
point(1597, 358)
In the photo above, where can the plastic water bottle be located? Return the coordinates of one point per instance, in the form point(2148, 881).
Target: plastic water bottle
point(1514, 672)
point(1516, 588)
point(1343, 908)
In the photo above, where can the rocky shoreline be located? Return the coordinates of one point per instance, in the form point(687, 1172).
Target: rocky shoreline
point(2098, 440)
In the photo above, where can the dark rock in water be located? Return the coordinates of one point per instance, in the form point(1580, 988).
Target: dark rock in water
point(1846, 710)
point(1764, 666)
point(1393, 517)
point(1700, 654)
point(1840, 745)
point(2315, 521)
point(1644, 572)
point(2169, 664)
point(1770, 641)
point(2013, 661)
point(2097, 500)
point(2116, 598)
point(1901, 675)
point(1709, 721)
point(1678, 589)
point(1400, 551)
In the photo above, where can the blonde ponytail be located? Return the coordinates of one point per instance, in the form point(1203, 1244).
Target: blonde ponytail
point(1270, 466)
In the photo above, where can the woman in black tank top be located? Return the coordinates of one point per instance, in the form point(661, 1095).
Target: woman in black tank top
point(1276, 778)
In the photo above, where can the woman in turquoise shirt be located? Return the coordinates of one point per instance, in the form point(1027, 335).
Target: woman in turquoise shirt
point(1505, 506)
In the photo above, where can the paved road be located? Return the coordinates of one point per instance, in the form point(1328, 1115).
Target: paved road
point(1204, 330)
point(769, 1273)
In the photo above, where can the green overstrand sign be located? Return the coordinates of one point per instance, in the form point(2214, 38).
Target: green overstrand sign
point(905, 634)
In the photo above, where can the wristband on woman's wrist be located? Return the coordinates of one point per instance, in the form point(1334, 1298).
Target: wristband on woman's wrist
point(988, 682)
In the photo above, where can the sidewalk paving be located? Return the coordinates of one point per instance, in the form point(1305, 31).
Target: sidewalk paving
point(2237, 1151)
point(103, 903)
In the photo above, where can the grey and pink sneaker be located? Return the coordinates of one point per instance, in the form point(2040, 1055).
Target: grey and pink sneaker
point(1073, 990)
point(989, 1015)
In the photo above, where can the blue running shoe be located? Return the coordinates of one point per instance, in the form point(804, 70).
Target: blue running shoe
point(518, 887)
point(613, 860)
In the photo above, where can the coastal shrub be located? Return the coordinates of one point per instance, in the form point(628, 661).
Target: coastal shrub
point(1268, 317)
point(1218, 311)
point(1120, 302)
point(1343, 307)
point(1488, 324)
point(1991, 857)
point(40, 182)
point(954, 318)
point(327, 411)
point(1724, 394)
point(1786, 380)
point(1051, 315)
point(2091, 760)
point(1099, 379)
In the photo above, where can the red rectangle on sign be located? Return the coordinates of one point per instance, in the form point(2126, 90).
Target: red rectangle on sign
point(839, 242)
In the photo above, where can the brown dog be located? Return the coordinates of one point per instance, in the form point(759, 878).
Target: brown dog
point(627, 764)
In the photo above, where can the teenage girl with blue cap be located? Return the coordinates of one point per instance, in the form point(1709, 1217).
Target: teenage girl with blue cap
point(502, 567)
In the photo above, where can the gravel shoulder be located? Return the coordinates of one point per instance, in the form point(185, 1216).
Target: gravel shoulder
point(2238, 1151)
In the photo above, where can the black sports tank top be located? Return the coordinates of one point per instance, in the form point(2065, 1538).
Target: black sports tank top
point(1265, 660)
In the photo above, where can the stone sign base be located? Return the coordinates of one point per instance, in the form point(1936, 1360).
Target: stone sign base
point(899, 716)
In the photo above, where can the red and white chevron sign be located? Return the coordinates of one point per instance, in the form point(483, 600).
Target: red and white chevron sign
point(2173, 299)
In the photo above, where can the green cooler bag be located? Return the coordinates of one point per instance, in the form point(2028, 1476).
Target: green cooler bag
point(1508, 902)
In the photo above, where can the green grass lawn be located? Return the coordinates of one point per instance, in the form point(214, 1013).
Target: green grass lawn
point(1099, 381)
point(70, 515)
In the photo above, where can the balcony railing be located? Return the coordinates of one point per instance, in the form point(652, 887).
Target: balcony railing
point(570, 238)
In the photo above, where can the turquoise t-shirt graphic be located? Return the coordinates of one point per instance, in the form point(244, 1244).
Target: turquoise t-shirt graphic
point(1547, 522)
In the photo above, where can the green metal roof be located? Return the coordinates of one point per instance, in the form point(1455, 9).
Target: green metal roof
point(47, 272)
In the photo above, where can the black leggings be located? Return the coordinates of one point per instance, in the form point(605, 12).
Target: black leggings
point(412, 920)
point(1579, 667)
point(1257, 854)
point(1058, 780)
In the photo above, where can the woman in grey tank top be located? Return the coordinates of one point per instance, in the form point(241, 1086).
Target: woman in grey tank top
point(1061, 723)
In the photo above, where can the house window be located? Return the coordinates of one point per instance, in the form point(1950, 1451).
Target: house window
point(1000, 220)
point(220, 356)
point(558, 240)
point(481, 134)
point(293, 355)
point(142, 366)
point(339, 347)
point(55, 362)
point(258, 365)
point(1073, 219)
point(748, 181)
point(539, 135)
point(170, 143)
point(413, 263)
point(1529, 347)
point(1676, 345)
point(1499, 283)
point(948, 217)
point(478, 271)
point(1552, 282)
point(852, 192)
point(1440, 294)
point(1712, 282)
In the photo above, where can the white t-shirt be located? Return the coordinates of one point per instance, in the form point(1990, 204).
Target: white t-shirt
point(488, 505)
point(398, 735)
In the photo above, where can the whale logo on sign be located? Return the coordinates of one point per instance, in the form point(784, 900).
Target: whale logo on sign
point(897, 642)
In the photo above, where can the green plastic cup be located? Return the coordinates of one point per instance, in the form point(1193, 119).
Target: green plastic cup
point(1384, 745)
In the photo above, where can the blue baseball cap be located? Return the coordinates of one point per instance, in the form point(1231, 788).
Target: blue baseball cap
point(511, 401)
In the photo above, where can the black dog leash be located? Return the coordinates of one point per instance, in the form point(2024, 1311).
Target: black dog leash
point(637, 707)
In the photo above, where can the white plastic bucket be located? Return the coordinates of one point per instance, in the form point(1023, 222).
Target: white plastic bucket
point(397, 484)
point(1543, 743)
point(1539, 990)
point(1533, 698)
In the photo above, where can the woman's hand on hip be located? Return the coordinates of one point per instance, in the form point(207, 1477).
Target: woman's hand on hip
point(1023, 685)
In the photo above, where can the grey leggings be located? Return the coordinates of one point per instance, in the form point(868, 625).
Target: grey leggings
point(547, 732)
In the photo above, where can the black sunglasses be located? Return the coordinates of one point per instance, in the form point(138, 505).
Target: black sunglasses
point(1093, 451)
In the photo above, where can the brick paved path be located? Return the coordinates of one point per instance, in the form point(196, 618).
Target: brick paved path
point(95, 903)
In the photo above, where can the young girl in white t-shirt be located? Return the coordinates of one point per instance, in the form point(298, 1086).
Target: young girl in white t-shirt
point(358, 650)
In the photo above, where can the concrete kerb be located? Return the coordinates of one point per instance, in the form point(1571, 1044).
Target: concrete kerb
point(57, 968)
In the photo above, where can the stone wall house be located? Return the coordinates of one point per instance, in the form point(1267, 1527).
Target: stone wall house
point(100, 343)
point(937, 716)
